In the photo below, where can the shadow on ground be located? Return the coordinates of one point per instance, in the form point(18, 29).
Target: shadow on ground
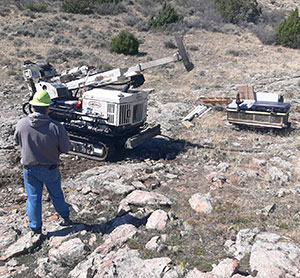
point(161, 147)
point(121, 218)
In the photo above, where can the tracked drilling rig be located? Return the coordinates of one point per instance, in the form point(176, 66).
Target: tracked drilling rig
point(101, 111)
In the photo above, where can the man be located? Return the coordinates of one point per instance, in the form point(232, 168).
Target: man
point(42, 140)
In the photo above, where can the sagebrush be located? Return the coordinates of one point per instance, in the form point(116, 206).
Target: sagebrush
point(235, 11)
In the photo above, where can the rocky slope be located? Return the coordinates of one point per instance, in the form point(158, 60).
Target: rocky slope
point(204, 201)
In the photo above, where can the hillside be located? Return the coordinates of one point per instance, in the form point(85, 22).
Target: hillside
point(133, 216)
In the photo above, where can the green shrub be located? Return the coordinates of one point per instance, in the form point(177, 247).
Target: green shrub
point(165, 17)
point(109, 8)
point(37, 7)
point(107, 1)
point(76, 6)
point(235, 11)
point(125, 43)
point(288, 31)
point(89, 6)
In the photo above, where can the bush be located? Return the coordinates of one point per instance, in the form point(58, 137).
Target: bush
point(18, 42)
point(235, 11)
point(89, 6)
point(272, 17)
point(170, 44)
point(107, 1)
point(4, 11)
point(131, 20)
point(125, 43)
point(166, 16)
point(76, 6)
point(109, 8)
point(288, 31)
point(56, 56)
point(60, 39)
point(265, 33)
point(37, 7)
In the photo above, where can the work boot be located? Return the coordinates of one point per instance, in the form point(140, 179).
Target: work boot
point(37, 231)
point(66, 222)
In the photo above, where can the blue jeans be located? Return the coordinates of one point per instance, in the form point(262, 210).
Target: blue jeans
point(34, 180)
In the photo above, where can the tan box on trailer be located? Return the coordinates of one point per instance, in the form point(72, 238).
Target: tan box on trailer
point(246, 92)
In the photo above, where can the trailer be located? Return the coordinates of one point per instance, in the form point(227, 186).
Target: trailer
point(261, 110)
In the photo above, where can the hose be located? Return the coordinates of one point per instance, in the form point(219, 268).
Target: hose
point(27, 110)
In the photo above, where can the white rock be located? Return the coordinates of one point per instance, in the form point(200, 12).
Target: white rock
point(275, 256)
point(225, 268)
point(152, 244)
point(201, 203)
point(143, 198)
point(157, 220)
point(68, 253)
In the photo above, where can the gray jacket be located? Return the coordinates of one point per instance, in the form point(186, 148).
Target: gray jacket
point(42, 140)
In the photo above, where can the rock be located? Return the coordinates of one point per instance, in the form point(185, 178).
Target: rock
point(171, 176)
point(7, 237)
point(278, 176)
point(86, 190)
point(266, 210)
point(171, 273)
point(275, 256)
point(195, 273)
point(159, 166)
point(118, 187)
point(201, 203)
point(125, 263)
point(22, 246)
point(48, 269)
point(243, 243)
point(56, 241)
point(225, 268)
point(157, 220)
point(143, 198)
point(8, 271)
point(282, 192)
point(138, 185)
point(260, 162)
point(281, 162)
point(12, 262)
point(85, 269)
point(122, 233)
point(92, 239)
point(187, 227)
point(123, 219)
point(223, 167)
point(171, 112)
point(241, 276)
point(4, 272)
point(152, 244)
point(116, 238)
point(69, 253)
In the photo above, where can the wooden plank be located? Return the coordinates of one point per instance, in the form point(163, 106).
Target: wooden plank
point(215, 100)
point(187, 124)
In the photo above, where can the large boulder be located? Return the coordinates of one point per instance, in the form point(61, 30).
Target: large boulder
point(275, 256)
